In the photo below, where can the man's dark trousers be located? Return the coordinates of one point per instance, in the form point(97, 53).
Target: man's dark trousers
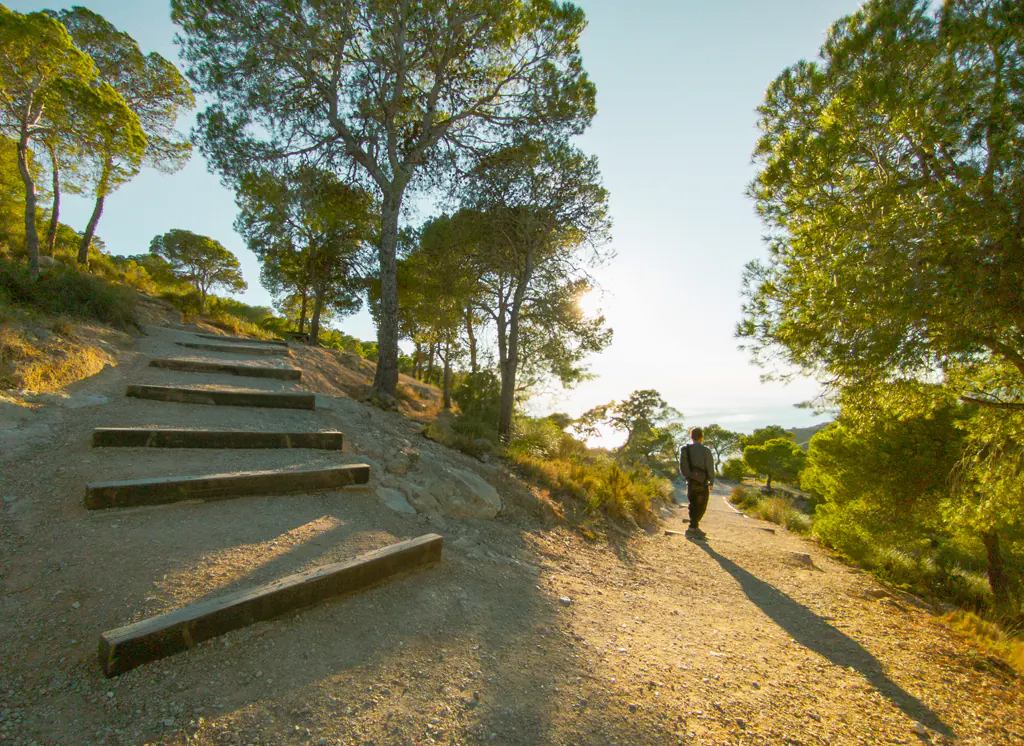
point(698, 494)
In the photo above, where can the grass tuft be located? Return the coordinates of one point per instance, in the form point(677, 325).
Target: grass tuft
point(989, 637)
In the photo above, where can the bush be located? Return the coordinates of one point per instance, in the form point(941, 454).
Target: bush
point(67, 292)
point(599, 483)
point(734, 470)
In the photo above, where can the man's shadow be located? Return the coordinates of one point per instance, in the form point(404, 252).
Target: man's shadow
point(814, 633)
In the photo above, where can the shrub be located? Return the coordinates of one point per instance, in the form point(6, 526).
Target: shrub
point(67, 292)
point(734, 470)
point(599, 483)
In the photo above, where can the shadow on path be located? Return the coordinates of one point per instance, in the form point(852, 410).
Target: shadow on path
point(814, 633)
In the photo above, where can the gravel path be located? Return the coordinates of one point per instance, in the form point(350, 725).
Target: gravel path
point(525, 634)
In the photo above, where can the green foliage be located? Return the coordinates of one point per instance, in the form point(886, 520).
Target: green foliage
point(538, 217)
point(734, 470)
point(478, 397)
point(378, 89)
point(763, 434)
point(776, 509)
point(778, 458)
point(652, 428)
point(201, 261)
point(887, 177)
point(722, 442)
point(68, 292)
point(150, 85)
point(46, 83)
point(309, 229)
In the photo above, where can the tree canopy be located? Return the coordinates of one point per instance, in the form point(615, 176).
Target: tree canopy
point(399, 92)
point(200, 261)
point(889, 179)
point(154, 93)
point(45, 82)
point(778, 458)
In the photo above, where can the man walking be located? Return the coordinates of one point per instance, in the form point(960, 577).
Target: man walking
point(697, 464)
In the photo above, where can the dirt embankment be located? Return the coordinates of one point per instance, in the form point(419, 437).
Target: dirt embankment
point(525, 634)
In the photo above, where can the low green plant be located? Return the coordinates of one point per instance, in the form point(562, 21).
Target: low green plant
point(68, 292)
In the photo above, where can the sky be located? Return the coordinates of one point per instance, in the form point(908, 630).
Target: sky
point(678, 83)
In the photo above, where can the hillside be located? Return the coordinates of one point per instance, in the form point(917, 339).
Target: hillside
point(524, 634)
point(803, 435)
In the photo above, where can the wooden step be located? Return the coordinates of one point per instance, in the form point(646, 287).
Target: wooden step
point(142, 437)
point(237, 349)
point(124, 648)
point(223, 398)
point(250, 371)
point(103, 495)
point(244, 340)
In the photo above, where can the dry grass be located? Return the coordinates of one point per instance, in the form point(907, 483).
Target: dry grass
point(221, 321)
point(989, 637)
point(47, 365)
point(599, 484)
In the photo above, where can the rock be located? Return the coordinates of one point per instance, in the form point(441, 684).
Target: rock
point(85, 400)
point(400, 464)
point(802, 560)
point(876, 593)
point(457, 493)
point(395, 500)
point(565, 601)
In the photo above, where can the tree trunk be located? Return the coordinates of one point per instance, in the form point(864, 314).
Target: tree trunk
point(430, 362)
point(314, 322)
point(51, 233)
point(202, 297)
point(447, 375)
point(768, 483)
point(90, 230)
point(417, 367)
point(510, 365)
point(472, 341)
point(302, 313)
point(997, 578)
point(385, 380)
point(31, 237)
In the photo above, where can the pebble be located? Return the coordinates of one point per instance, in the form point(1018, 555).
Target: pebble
point(565, 601)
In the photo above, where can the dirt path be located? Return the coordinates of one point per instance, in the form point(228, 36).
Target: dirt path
point(525, 634)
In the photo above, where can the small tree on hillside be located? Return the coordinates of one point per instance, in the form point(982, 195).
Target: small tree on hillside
point(778, 459)
point(722, 442)
point(652, 428)
point(199, 260)
point(763, 434)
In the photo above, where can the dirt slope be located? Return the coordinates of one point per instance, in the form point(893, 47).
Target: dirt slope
point(524, 634)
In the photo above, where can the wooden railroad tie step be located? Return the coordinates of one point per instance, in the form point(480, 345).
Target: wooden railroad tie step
point(132, 492)
point(124, 648)
point(244, 340)
point(236, 349)
point(142, 437)
point(251, 371)
point(222, 397)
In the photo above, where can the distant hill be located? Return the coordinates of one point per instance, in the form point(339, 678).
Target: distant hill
point(803, 435)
